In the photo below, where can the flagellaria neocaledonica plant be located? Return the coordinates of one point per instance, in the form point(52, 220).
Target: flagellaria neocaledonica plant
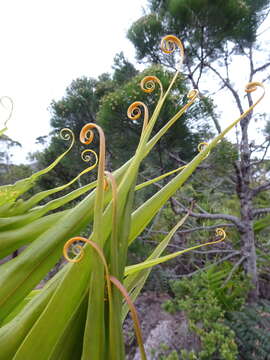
point(79, 312)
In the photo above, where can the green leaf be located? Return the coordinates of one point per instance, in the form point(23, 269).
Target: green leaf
point(58, 313)
point(13, 239)
point(9, 193)
point(69, 346)
point(19, 276)
point(135, 282)
point(16, 326)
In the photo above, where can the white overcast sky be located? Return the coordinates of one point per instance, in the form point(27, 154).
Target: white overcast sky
point(46, 44)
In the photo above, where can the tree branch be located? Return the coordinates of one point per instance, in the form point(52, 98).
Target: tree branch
point(256, 212)
point(228, 85)
point(198, 228)
point(264, 154)
point(263, 67)
point(182, 209)
point(260, 188)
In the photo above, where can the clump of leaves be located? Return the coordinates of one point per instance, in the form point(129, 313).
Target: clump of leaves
point(205, 299)
point(251, 327)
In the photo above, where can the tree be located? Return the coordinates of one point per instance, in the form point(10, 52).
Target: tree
point(123, 69)
point(10, 172)
point(105, 100)
point(112, 116)
point(214, 33)
point(73, 111)
point(78, 106)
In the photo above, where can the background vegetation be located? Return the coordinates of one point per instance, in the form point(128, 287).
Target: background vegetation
point(225, 290)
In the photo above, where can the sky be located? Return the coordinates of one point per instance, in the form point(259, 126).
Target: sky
point(47, 44)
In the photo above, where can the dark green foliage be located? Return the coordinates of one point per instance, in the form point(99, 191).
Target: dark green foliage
point(223, 158)
point(205, 24)
point(229, 294)
point(205, 298)
point(252, 330)
point(73, 111)
point(77, 107)
point(106, 100)
point(144, 34)
point(232, 19)
point(112, 116)
point(172, 356)
point(123, 69)
point(12, 173)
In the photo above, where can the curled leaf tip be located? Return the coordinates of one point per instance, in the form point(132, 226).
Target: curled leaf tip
point(192, 94)
point(86, 137)
point(202, 146)
point(252, 86)
point(134, 112)
point(87, 156)
point(221, 234)
point(73, 247)
point(87, 134)
point(148, 84)
point(67, 134)
point(169, 44)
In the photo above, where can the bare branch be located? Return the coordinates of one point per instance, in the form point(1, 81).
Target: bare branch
point(257, 212)
point(251, 64)
point(261, 68)
point(211, 227)
point(260, 188)
point(264, 154)
point(229, 86)
point(235, 220)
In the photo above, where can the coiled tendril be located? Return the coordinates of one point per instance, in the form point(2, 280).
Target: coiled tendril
point(86, 135)
point(169, 44)
point(73, 245)
point(67, 134)
point(192, 94)
point(86, 155)
point(252, 86)
point(202, 146)
point(148, 84)
point(221, 234)
point(134, 112)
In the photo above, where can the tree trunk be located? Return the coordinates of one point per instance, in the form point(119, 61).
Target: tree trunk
point(249, 251)
point(245, 195)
